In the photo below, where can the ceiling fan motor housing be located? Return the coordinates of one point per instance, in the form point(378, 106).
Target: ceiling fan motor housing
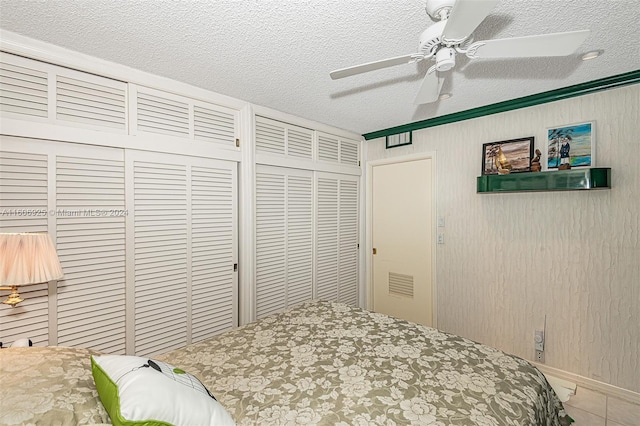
point(445, 59)
point(431, 38)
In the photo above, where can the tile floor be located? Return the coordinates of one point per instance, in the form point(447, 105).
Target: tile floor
point(590, 408)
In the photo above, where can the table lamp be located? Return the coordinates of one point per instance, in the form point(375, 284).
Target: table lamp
point(28, 258)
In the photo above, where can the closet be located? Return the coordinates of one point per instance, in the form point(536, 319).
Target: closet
point(138, 188)
point(147, 243)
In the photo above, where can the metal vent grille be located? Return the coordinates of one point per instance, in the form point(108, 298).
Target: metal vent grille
point(400, 284)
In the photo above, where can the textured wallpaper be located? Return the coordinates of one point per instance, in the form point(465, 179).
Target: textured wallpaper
point(510, 259)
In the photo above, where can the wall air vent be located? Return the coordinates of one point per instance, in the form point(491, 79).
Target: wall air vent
point(400, 285)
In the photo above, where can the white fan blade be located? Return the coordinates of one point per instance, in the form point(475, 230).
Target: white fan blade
point(429, 88)
point(465, 17)
point(371, 66)
point(557, 44)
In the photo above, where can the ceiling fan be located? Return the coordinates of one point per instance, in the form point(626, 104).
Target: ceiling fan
point(456, 21)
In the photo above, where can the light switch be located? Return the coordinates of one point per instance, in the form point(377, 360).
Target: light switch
point(539, 340)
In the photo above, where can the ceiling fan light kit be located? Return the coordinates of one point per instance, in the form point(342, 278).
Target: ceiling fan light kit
point(451, 34)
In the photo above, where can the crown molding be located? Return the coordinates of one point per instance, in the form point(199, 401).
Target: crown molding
point(581, 89)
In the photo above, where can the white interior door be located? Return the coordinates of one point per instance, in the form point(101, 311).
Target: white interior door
point(402, 224)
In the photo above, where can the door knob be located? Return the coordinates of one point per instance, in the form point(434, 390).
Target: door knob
point(375, 251)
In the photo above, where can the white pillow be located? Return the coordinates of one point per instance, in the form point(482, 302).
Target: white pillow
point(136, 391)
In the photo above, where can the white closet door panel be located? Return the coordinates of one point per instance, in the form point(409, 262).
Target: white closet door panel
point(327, 238)
point(348, 264)
point(349, 152)
point(78, 189)
point(300, 142)
point(213, 236)
point(270, 136)
point(160, 215)
point(90, 197)
point(23, 90)
point(284, 235)
point(43, 92)
point(283, 139)
point(337, 238)
point(335, 149)
point(270, 242)
point(91, 103)
point(185, 248)
point(23, 192)
point(328, 148)
point(24, 208)
point(214, 124)
point(299, 239)
point(157, 113)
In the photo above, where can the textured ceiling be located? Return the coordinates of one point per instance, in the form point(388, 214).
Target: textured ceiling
point(279, 53)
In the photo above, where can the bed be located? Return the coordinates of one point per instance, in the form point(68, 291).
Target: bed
point(319, 363)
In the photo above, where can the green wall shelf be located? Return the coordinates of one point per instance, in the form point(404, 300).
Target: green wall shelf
point(560, 180)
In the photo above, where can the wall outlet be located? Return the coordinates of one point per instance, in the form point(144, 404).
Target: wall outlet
point(540, 356)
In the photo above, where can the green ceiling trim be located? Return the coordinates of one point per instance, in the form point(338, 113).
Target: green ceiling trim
point(615, 81)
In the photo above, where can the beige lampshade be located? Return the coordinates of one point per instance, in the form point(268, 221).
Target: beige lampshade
point(28, 258)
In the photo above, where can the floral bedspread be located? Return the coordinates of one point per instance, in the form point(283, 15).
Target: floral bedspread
point(48, 386)
point(332, 364)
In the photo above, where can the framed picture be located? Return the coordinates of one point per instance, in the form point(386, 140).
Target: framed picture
point(399, 139)
point(571, 146)
point(512, 156)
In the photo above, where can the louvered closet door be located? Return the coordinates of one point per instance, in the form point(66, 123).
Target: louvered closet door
point(348, 240)
point(185, 247)
point(78, 194)
point(23, 190)
point(283, 139)
point(160, 256)
point(213, 249)
point(337, 238)
point(44, 93)
point(90, 236)
point(160, 113)
point(284, 238)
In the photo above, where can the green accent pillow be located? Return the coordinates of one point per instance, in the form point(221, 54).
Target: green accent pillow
point(143, 392)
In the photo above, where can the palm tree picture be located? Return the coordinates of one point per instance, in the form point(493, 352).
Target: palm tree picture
point(582, 146)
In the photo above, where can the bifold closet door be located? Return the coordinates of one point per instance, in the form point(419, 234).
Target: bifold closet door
point(183, 247)
point(284, 238)
point(75, 193)
point(337, 237)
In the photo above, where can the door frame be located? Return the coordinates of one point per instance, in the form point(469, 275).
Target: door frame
point(431, 155)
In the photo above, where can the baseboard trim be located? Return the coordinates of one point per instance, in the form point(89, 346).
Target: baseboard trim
point(592, 384)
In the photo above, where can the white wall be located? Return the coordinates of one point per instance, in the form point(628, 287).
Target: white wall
point(510, 259)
